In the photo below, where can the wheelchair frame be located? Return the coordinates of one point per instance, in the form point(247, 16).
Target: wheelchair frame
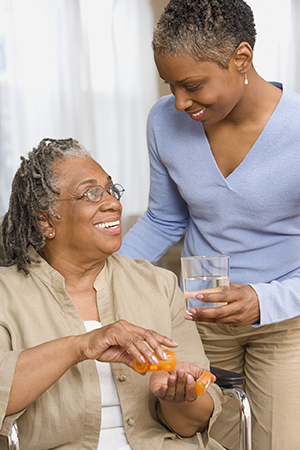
point(226, 380)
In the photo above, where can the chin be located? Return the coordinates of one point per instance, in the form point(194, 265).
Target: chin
point(113, 248)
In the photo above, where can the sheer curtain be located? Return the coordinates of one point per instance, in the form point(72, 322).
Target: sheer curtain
point(81, 69)
point(277, 52)
point(84, 69)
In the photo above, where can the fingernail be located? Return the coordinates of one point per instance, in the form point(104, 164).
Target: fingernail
point(155, 360)
point(174, 342)
point(180, 373)
point(165, 356)
point(188, 317)
point(142, 359)
point(199, 296)
point(192, 311)
point(189, 379)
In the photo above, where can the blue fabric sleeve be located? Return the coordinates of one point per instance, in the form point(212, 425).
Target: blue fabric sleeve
point(149, 238)
point(166, 218)
point(278, 300)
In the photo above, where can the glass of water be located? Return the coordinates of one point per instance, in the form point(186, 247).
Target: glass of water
point(204, 272)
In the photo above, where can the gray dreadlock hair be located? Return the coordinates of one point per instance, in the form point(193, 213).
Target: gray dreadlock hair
point(33, 189)
point(208, 30)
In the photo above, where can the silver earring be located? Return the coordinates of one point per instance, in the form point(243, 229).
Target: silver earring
point(246, 79)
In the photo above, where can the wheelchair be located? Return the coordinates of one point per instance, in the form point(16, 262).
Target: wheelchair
point(226, 380)
point(13, 438)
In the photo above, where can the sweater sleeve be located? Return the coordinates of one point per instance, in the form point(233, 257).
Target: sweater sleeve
point(278, 300)
point(166, 217)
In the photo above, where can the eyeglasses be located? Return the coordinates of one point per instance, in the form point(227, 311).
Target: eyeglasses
point(95, 194)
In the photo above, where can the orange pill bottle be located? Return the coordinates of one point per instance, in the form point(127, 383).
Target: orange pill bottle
point(203, 382)
point(165, 365)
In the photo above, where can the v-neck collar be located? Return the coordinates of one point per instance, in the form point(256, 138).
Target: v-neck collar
point(257, 146)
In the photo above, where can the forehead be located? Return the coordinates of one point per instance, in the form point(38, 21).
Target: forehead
point(73, 172)
point(181, 68)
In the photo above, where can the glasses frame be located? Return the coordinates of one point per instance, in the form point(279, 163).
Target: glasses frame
point(116, 190)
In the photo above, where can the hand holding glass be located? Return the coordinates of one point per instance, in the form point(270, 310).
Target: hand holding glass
point(204, 272)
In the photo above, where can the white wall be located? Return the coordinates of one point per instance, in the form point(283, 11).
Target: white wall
point(276, 55)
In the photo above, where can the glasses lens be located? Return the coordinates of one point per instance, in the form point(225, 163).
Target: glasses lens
point(95, 194)
point(116, 191)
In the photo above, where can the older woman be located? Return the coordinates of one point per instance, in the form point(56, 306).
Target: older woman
point(68, 307)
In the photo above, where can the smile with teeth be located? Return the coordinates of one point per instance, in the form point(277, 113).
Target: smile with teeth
point(108, 224)
point(198, 113)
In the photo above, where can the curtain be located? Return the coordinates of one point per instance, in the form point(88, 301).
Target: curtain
point(277, 51)
point(82, 69)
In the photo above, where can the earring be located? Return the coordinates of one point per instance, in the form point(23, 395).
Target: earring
point(246, 79)
point(50, 234)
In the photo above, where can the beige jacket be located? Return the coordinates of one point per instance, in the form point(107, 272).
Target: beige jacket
point(35, 308)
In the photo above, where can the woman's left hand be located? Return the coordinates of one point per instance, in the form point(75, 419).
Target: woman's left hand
point(242, 307)
point(176, 386)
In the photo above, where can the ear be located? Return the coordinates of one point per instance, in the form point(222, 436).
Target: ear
point(243, 57)
point(46, 222)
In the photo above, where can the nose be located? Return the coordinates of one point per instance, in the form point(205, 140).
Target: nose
point(182, 99)
point(110, 202)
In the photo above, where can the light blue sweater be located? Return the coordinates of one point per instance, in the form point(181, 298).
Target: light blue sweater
point(253, 215)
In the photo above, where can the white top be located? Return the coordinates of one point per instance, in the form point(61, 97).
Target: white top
point(112, 433)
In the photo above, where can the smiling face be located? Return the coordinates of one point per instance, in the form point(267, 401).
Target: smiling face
point(87, 232)
point(203, 90)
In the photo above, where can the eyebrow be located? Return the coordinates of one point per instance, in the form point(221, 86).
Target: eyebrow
point(180, 81)
point(92, 181)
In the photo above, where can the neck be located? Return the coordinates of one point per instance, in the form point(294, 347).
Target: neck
point(79, 280)
point(78, 274)
point(259, 100)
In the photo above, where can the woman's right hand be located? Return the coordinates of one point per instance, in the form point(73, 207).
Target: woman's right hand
point(122, 341)
point(41, 366)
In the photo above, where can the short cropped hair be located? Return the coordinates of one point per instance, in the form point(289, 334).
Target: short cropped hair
point(208, 30)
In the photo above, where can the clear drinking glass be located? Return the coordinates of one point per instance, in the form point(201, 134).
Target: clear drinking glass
point(204, 272)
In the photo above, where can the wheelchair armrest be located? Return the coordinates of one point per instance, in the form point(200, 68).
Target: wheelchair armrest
point(228, 382)
point(226, 378)
point(13, 438)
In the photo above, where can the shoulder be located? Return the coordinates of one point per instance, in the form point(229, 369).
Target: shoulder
point(141, 269)
point(164, 103)
point(14, 287)
point(10, 275)
point(284, 123)
point(127, 264)
point(167, 127)
point(164, 113)
point(290, 101)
